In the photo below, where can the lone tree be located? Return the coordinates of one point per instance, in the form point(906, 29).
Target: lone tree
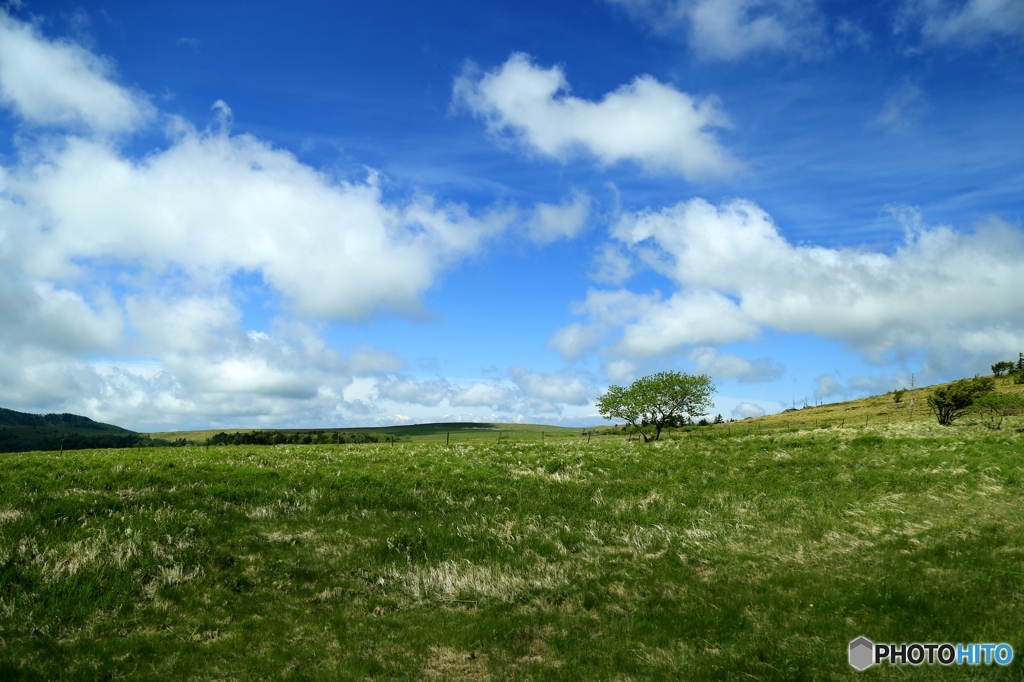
point(1002, 367)
point(653, 402)
point(952, 401)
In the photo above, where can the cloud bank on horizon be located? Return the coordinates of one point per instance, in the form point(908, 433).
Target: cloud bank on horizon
point(546, 223)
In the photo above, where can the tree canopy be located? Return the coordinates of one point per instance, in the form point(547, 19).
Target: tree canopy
point(653, 402)
point(952, 401)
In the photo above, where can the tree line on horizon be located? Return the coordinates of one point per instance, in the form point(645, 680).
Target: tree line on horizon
point(1009, 367)
point(296, 438)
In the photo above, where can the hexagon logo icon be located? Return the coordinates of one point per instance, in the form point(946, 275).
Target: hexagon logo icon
point(862, 653)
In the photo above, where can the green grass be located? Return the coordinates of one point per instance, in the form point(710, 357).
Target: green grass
point(716, 555)
point(451, 432)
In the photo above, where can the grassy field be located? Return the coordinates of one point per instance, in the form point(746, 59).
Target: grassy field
point(449, 432)
point(722, 554)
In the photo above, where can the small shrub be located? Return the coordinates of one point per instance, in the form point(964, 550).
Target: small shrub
point(897, 395)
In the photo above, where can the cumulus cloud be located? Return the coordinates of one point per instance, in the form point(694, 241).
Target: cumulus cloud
point(941, 290)
point(192, 324)
point(573, 340)
point(621, 371)
point(552, 388)
point(645, 121)
point(731, 29)
point(117, 271)
point(236, 379)
point(213, 204)
point(481, 394)
point(745, 410)
point(405, 389)
point(551, 222)
point(55, 82)
point(709, 361)
point(827, 386)
point(42, 314)
point(612, 266)
point(967, 23)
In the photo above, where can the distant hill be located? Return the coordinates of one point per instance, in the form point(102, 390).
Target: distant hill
point(64, 420)
point(23, 432)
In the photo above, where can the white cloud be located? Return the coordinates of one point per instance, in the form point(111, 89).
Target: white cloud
point(612, 266)
point(552, 388)
point(731, 29)
point(707, 360)
point(573, 340)
point(481, 394)
point(129, 261)
point(647, 122)
point(408, 390)
point(117, 273)
point(746, 410)
point(660, 326)
point(60, 83)
point(828, 386)
point(968, 23)
point(940, 290)
point(651, 325)
point(44, 315)
point(621, 371)
point(254, 379)
point(213, 204)
point(185, 325)
point(551, 222)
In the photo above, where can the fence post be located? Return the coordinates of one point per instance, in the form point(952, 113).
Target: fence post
point(447, 435)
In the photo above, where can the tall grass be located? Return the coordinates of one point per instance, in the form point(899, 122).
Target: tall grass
point(750, 556)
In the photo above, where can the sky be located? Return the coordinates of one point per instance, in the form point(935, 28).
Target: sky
point(322, 214)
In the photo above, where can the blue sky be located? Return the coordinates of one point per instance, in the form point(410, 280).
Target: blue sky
point(329, 214)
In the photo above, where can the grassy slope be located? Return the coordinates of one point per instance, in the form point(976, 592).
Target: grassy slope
point(455, 432)
point(879, 409)
point(729, 557)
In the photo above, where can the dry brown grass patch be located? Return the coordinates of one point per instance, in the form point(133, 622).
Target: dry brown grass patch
point(450, 664)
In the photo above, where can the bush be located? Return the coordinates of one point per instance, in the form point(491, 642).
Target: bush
point(952, 401)
point(995, 406)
